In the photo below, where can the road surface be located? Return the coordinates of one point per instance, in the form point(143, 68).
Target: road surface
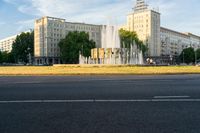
point(100, 104)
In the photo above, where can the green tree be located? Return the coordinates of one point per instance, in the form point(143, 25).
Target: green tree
point(23, 45)
point(188, 55)
point(198, 54)
point(10, 58)
point(1, 57)
point(129, 38)
point(74, 43)
point(6, 57)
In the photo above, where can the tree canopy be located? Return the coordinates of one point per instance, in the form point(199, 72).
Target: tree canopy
point(1, 57)
point(6, 57)
point(188, 55)
point(74, 43)
point(129, 38)
point(198, 54)
point(23, 45)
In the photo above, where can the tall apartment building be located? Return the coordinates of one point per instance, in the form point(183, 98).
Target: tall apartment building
point(146, 23)
point(160, 41)
point(7, 43)
point(173, 42)
point(48, 33)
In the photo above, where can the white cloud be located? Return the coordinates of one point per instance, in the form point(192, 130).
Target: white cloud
point(25, 25)
point(173, 12)
point(25, 22)
point(93, 11)
point(75, 10)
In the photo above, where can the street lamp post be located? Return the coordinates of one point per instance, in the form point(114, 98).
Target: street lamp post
point(171, 59)
point(17, 58)
point(29, 55)
point(195, 56)
point(183, 57)
point(82, 49)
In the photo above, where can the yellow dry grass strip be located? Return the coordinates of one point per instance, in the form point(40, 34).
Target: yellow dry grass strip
point(98, 70)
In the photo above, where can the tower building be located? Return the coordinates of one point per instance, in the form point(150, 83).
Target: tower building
point(146, 23)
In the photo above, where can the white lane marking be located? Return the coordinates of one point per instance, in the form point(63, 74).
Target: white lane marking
point(31, 82)
point(44, 82)
point(101, 101)
point(166, 97)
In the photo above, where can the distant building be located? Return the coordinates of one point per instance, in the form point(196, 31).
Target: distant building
point(160, 41)
point(48, 33)
point(7, 43)
point(173, 42)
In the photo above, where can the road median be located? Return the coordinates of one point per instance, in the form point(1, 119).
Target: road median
point(98, 70)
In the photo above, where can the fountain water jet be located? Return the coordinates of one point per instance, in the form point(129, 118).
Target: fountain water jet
point(111, 52)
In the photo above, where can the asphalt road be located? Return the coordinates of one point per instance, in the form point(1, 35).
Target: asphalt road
point(100, 104)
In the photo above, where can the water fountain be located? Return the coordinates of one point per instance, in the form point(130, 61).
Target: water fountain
point(111, 52)
point(110, 37)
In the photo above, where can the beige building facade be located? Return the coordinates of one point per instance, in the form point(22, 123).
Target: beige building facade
point(48, 33)
point(146, 23)
point(160, 41)
point(7, 43)
point(173, 42)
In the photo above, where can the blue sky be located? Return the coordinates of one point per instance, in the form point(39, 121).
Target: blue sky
point(19, 15)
